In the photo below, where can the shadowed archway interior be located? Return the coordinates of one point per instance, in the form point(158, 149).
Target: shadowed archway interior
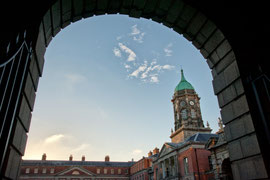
point(245, 128)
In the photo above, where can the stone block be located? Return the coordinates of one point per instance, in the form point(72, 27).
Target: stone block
point(196, 24)
point(127, 4)
point(227, 113)
point(226, 77)
point(250, 168)
point(227, 132)
point(56, 17)
point(228, 95)
point(234, 109)
point(34, 72)
point(164, 4)
point(213, 42)
point(29, 91)
point(185, 17)
point(13, 165)
point(25, 114)
point(114, 6)
point(66, 13)
point(77, 10)
point(250, 145)
point(19, 138)
point(235, 150)
point(174, 11)
point(239, 86)
point(240, 106)
point(40, 50)
point(235, 171)
point(205, 32)
point(218, 83)
point(225, 62)
point(102, 5)
point(236, 129)
point(223, 49)
point(135, 13)
point(150, 7)
point(89, 7)
point(231, 73)
point(204, 53)
point(47, 23)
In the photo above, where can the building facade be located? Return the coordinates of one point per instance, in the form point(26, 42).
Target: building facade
point(185, 157)
point(74, 170)
point(143, 169)
point(221, 166)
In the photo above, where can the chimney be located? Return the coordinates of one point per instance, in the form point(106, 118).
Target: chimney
point(83, 158)
point(156, 151)
point(71, 157)
point(150, 153)
point(107, 158)
point(44, 157)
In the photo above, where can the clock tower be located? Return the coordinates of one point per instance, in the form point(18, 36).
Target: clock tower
point(187, 112)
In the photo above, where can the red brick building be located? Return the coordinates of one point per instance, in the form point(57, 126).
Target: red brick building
point(75, 170)
point(185, 157)
point(141, 170)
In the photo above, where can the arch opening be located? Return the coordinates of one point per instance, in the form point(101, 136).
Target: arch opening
point(185, 20)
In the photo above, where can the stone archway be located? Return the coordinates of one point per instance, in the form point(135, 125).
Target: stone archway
point(23, 68)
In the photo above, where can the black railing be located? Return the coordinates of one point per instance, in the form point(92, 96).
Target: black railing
point(12, 76)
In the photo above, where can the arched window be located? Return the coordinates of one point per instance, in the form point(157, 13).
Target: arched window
point(184, 114)
point(193, 113)
point(186, 170)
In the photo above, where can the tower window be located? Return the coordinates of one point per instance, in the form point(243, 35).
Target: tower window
point(184, 114)
point(177, 116)
point(193, 113)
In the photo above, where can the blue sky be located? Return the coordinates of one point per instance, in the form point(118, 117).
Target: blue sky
point(107, 87)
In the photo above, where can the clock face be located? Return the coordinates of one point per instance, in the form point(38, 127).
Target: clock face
point(182, 103)
point(191, 103)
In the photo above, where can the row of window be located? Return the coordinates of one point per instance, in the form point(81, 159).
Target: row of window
point(105, 171)
point(44, 170)
point(184, 114)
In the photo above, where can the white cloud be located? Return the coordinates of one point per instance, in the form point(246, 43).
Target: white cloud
point(139, 39)
point(150, 73)
point(75, 78)
point(169, 67)
point(131, 54)
point(136, 151)
point(117, 52)
point(54, 138)
point(137, 34)
point(127, 66)
point(139, 70)
point(135, 30)
point(167, 50)
point(81, 147)
point(154, 79)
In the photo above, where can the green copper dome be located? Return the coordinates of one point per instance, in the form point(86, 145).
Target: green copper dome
point(183, 84)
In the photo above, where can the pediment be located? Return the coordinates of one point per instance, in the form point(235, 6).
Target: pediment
point(165, 150)
point(75, 171)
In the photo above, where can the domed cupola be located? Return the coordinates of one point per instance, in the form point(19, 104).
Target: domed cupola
point(183, 84)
